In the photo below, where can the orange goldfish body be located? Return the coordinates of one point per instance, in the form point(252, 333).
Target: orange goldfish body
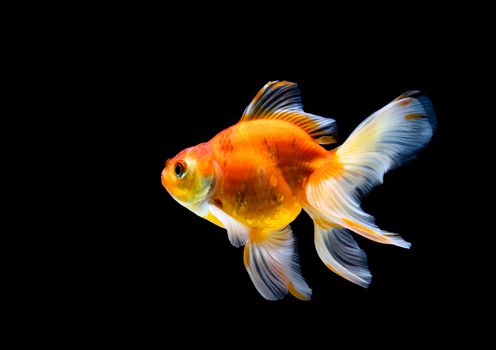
point(254, 178)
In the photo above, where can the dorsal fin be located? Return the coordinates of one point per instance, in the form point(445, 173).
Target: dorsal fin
point(281, 100)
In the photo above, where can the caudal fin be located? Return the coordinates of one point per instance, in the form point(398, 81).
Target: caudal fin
point(339, 251)
point(388, 138)
point(385, 140)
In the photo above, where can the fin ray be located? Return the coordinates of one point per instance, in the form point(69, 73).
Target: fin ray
point(281, 100)
point(273, 266)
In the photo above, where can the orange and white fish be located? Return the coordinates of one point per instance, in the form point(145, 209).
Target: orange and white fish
point(254, 178)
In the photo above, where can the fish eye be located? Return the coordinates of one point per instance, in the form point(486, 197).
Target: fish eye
point(180, 169)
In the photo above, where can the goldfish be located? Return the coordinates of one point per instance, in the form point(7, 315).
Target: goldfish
point(254, 178)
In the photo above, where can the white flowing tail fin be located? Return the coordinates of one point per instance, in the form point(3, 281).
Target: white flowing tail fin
point(385, 140)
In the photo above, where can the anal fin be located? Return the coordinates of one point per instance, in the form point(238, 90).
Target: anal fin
point(272, 263)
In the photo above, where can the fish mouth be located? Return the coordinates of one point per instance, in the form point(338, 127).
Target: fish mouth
point(164, 183)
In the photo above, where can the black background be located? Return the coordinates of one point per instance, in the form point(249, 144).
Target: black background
point(161, 268)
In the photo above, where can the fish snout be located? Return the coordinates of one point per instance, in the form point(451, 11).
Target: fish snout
point(164, 178)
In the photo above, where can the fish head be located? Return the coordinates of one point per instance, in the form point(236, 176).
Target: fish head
point(190, 176)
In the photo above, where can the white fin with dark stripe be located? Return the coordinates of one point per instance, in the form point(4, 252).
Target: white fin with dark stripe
point(282, 101)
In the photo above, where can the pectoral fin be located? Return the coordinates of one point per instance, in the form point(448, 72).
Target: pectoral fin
point(236, 231)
